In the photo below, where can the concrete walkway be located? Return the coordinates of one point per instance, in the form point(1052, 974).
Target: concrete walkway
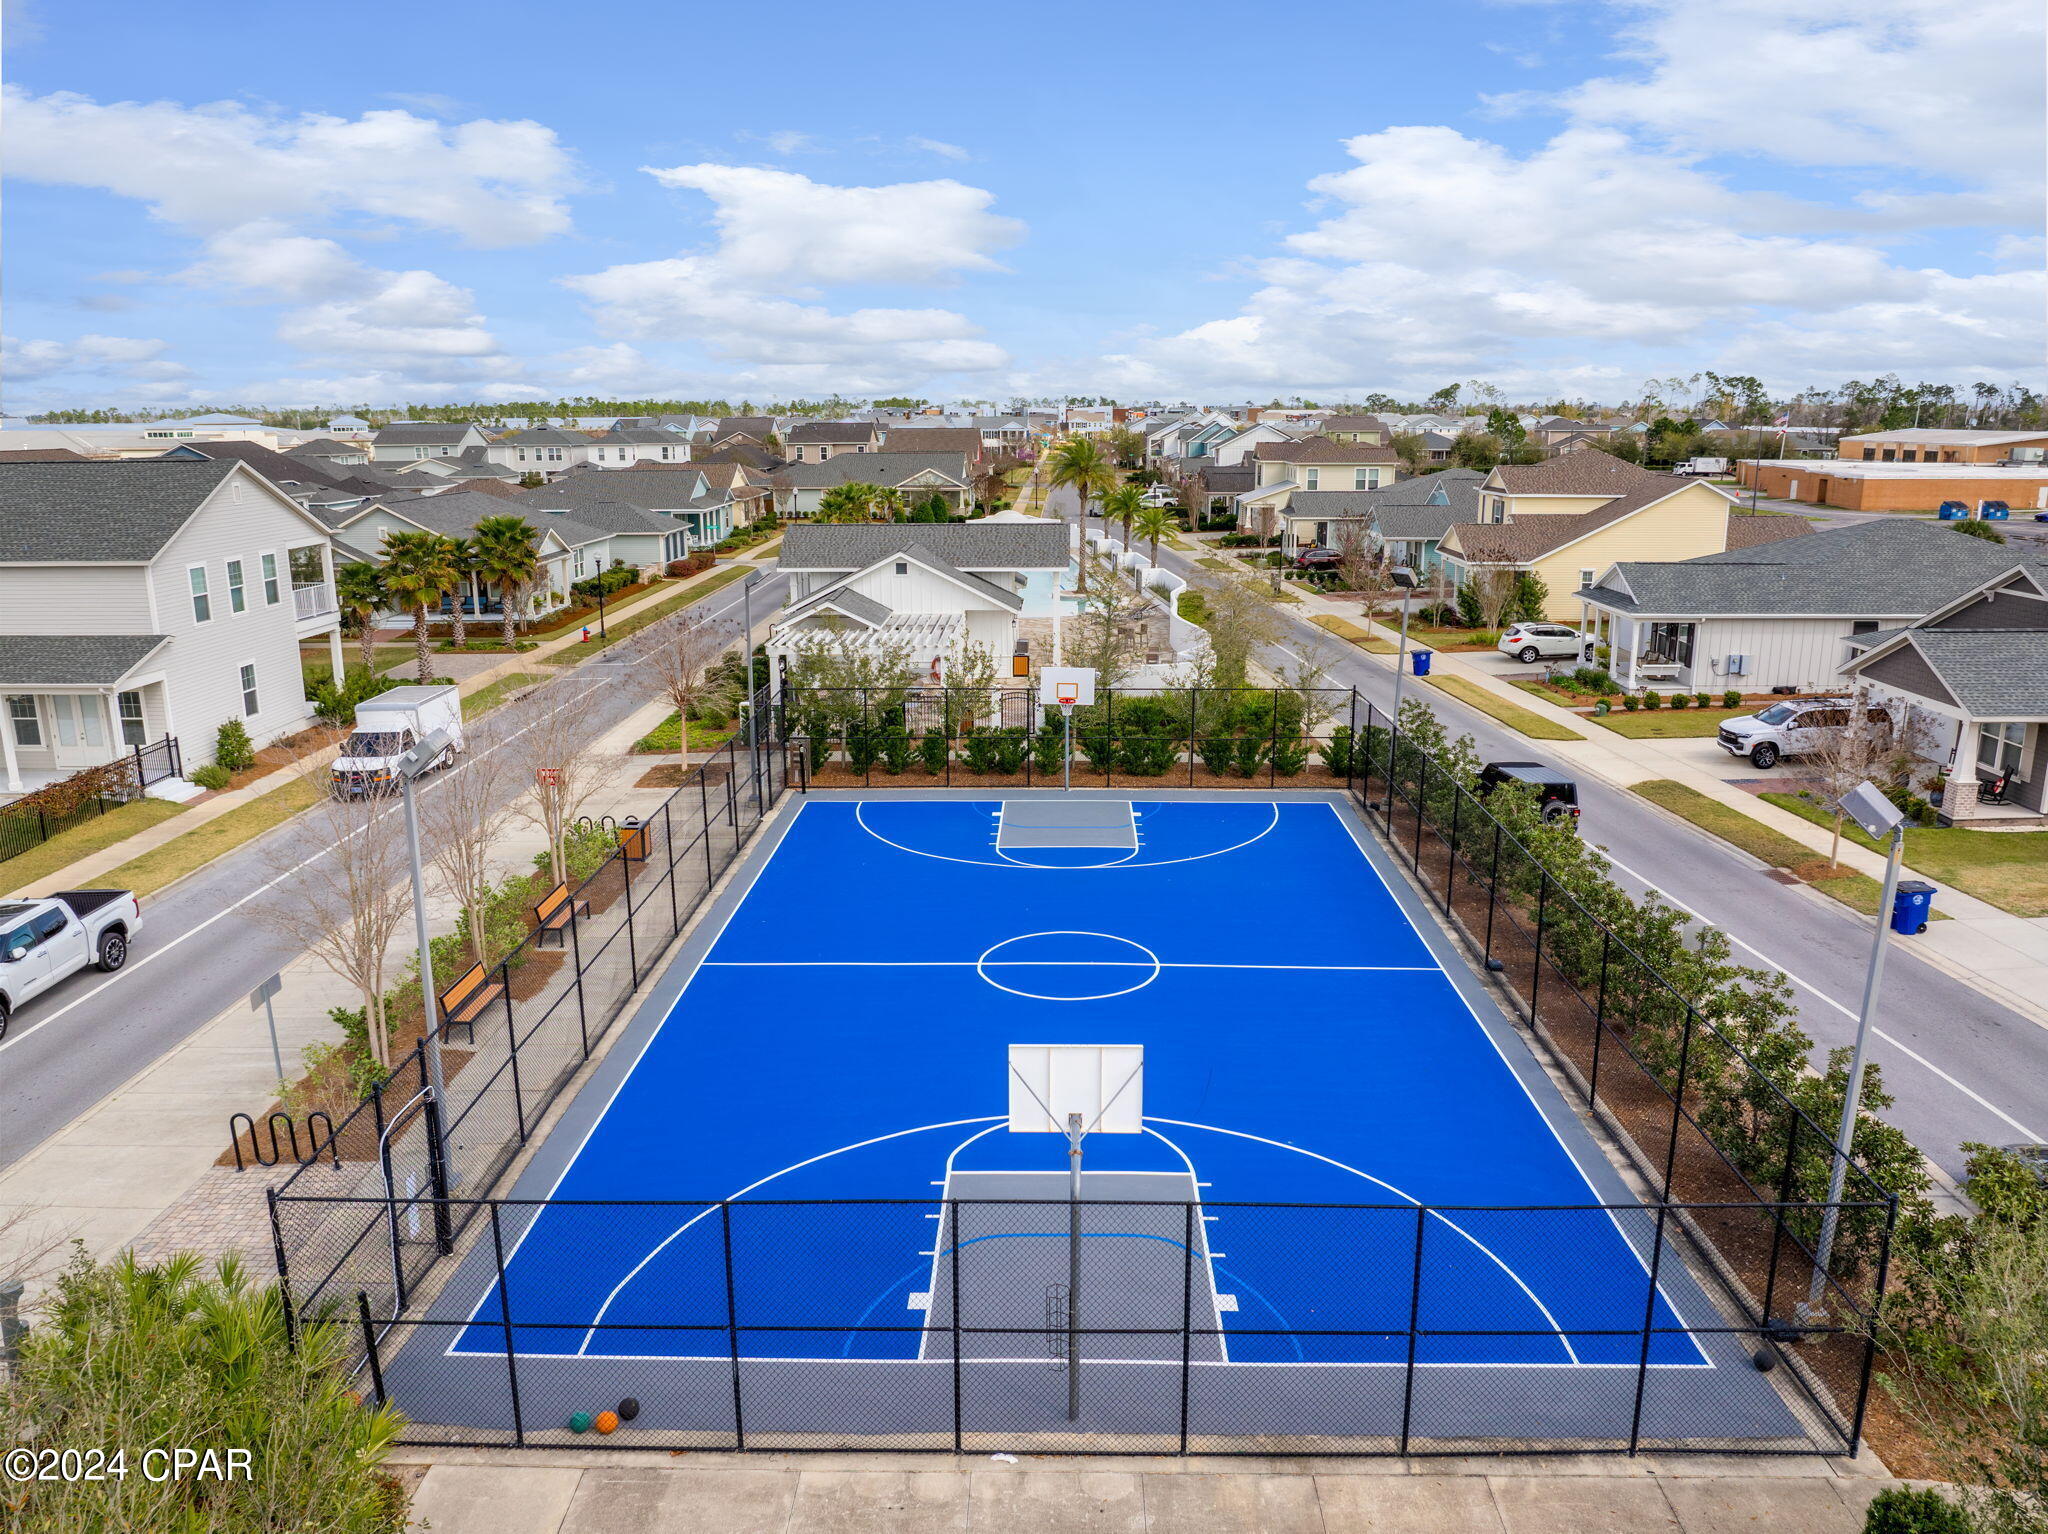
point(1999, 954)
point(489, 1492)
point(83, 873)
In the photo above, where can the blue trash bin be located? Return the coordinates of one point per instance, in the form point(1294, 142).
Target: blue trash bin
point(1912, 906)
point(1421, 660)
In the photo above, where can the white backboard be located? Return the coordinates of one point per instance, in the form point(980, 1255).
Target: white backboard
point(1081, 678)
point(1104, 1083)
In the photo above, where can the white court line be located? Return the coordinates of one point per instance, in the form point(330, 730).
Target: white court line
point(1208, 1248)
point(939, 1246)
point(1805, 985)
point(1569, 1351)
point(1053, 868)
point(1508, 1065)
point(1137, 846)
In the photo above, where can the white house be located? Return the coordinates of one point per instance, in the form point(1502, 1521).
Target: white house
point(410, 441)
point(626, 447)
point(919, 476)
point(569, 549)
point(542, 450)
point(691, 512)
point(155, 599)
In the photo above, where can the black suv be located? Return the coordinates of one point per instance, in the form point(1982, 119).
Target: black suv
point(1557, 794)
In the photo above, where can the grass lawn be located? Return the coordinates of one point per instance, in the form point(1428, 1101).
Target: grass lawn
point(667, 736)
point(82, 841)
point(1763, 843)
point(2009, 869)
point(1211, 562)
point(1515, 717)
point(1423, 636)
point(202, 844)
point(622, 627)
point(488, 697)
point(313, 663)
point(1344, 628)
point(1671, 723)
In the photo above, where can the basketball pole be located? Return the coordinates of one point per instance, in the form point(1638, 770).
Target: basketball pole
point(1067, 758)
point(1075, 1133)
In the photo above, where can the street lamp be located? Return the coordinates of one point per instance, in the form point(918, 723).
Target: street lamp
point(1406, 579)
point(1879, 818)
point(415, 764)
point(747, 584)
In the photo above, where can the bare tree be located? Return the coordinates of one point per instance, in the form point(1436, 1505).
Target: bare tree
point(342, 893)
point(1109, 632)
point(1359, 565)
point(1240, 621)
point(1493, 588)
point(1878, 742)
point(677, 655)
point(463, 816)
point(551, 752)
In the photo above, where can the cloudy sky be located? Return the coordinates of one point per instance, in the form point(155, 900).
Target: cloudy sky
point(390, 203)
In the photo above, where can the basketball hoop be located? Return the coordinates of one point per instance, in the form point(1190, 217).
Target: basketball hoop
point(1063, 687)
point(1066, 695)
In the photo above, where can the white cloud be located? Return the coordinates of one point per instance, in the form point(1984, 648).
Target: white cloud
point(89, 363)
point(491, 183)
point(939, 147)
point(751, 298)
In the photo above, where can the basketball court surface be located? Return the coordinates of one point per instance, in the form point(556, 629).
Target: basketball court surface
point(1347, 1163)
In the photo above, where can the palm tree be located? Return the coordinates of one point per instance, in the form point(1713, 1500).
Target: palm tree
point(1152, 523)
point(359, 591)
point(508, 555)
point(850, 502)
point(1079, 462)
point(1124, 503)
point(418, 572)
point(462, 560)
point(887, 504)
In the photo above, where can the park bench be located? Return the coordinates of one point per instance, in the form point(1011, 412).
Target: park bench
point(554, 913)
point(464, 1001)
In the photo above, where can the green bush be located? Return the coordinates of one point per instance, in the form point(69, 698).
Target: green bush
point(1902, 1510)
point(209, 776)
point(1653, 700)
point(1049, 752)
point(1703, 700)
point(1289, 757)
point(1681, 700)
point(1631, 702)
point(337, 705)
point(1218, 752)
point(232, 747)
point(932, 751)
point(1336, 751)
point(863, 745)
point(1732, 698)
point(1147, 756)
point(586, 847)
point(136, 1357)
point(1248, 754)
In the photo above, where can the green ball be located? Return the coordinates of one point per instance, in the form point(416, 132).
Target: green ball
point(580, 1422)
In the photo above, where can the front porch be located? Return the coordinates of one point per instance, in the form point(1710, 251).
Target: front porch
point(1645, 654)
point(48, 734)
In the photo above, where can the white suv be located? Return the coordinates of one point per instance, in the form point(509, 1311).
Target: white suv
point(1791, 728)
point(1541, 641)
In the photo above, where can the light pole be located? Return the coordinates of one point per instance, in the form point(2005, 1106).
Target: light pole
point(747, 584)
point(1879, 818)
point(1404, 577)
point(415, 764)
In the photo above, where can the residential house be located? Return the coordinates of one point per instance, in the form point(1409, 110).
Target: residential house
point(570, 548)
point(349, 426)
point(965, 440)
point(800, 486)
point(146, 599)
point(1554, 432)
point(816, 441)
point(327, 451)
point(1368, 429)
point(1781, 613)
point(1405, 521)
point(1003, 433)
point(410, 441)
point(936, 587)
point(544, 450)
point(695, 514)
point(733, 429)
point(1282, 469)
point(1929, 444)
point(471, 466)
point(1567, 519)
point(625, 447)
point(750, 491)
point(1979, 665)
point(1239, 445)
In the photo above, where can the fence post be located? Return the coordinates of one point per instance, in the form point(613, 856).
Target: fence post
point(1635, 1426)
point(1451, 862)
point(1536, 968)
point(1678, 1102)
point(505, 1320)
point(1414, 1326)
point(284, 1274)
point(576, 958)
point(1421, 799)
point(370, 1345)
point(1778, 1217)
point(1187, 1314)
point(1599, 1018)
point(437, 1177)
point(732, 1327)
point(512, 1048)
point(1492, 894)
point(668, 845)
point(953, 1210)
point(1884, 1267)
point(1351, 756)
point(732, 802)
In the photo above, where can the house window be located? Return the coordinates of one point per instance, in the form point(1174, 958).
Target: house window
point(306, 566)
point(28, 725)
point(1869, 453)
point(202, 604)
point(270, 591)
point(902, 567)
point(1888, 455)
point(133, 732)
point(1999, 747)
point(249, 691)
point(237, 601)
point(1585, 578)
point(1364, 479)
point(1315, 478)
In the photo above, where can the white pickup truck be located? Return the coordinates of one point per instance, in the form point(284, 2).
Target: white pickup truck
point(43, 939)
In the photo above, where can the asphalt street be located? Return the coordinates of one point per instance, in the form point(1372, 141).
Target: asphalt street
point(1962, 1066)
point(201, 951)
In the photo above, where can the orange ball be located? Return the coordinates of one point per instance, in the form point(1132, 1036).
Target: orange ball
point(607, 1421)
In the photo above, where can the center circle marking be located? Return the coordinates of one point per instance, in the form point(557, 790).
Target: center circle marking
point(1020, 963)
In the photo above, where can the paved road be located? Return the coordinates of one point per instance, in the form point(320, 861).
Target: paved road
point(1962, 1066)
point(201, 952)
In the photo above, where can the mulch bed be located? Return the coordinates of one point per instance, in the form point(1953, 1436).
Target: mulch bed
point(283, 753)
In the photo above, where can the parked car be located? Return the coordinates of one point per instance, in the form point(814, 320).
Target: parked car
point(1318, 558)
point(43, 940)
point(1792, 728)
point(1528, 642)
point(1557, 794)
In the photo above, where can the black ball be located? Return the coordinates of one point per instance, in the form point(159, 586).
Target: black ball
point(628, 1409)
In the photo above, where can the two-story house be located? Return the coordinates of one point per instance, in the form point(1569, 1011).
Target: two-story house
point(1567, 519)
point(410, 441)
point(1281, 469)
point(1403, 522)
point(1369, 429)
point(543, 450)
point(149, 599)
point(626, 447)
point(964, 440)
point(816, 441)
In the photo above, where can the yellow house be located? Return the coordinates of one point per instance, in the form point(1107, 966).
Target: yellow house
point(1568, 519)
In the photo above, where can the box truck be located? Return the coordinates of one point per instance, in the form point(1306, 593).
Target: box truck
point(389, 725)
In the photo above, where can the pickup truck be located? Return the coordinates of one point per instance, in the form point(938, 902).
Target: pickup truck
point(44, 939)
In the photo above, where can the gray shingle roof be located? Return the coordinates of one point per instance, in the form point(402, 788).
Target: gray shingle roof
point(655, 489)
point(455, 514)
point(602, 516)
point(421, 433)
point(831, 432)
point(1867, 570)
point(1995, 673)
point(967, 546)
point(73, 660)
point(860, 606)
point(546, 436)
point(884, 468)
point(100, 511)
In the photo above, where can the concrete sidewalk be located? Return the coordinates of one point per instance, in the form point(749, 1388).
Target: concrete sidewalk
point(489, 1492)
point(1997, 953)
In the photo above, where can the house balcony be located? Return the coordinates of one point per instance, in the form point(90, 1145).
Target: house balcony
point(314, 607)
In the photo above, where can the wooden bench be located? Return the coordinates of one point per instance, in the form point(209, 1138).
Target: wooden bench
point(464, 1001)
point(554, 914)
